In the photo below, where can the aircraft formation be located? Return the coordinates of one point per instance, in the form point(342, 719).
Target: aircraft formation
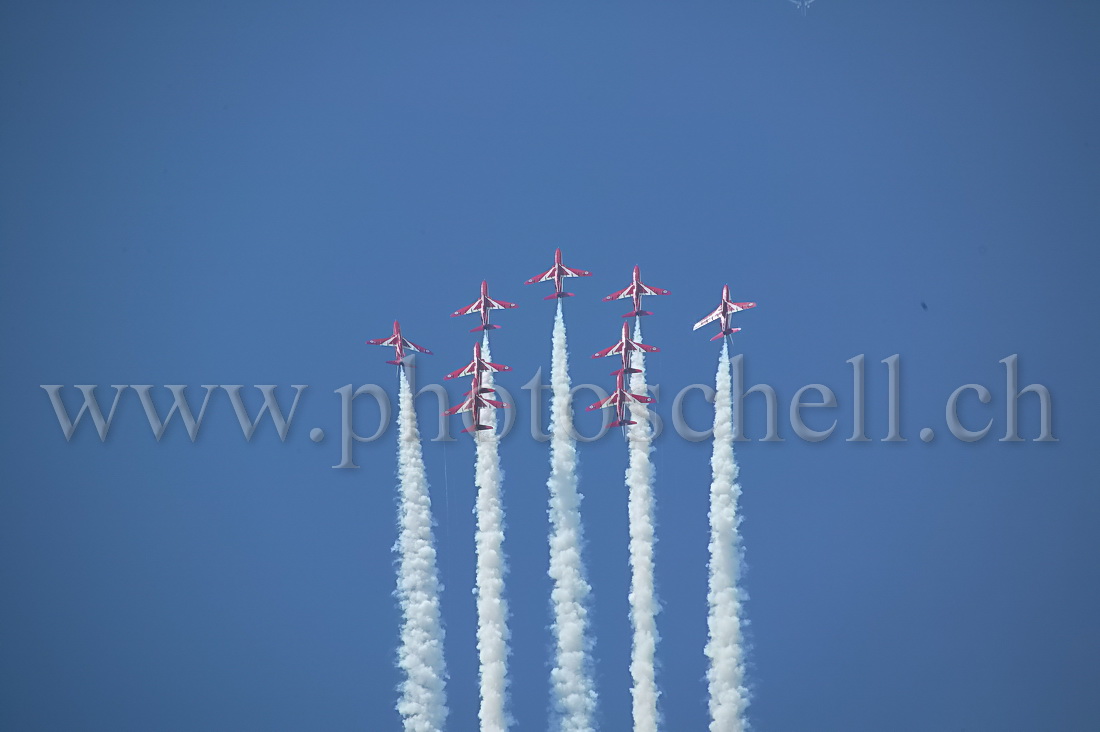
point(478, 397)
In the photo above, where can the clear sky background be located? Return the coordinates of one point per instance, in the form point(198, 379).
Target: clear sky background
point(242, 193)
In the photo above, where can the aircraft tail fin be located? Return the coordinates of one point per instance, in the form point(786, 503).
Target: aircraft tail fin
point(726, 332)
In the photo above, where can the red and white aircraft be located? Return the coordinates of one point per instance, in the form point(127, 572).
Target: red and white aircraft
point(557, 273)
point(625, 347)
point(478, 365)
point(483, 305)
point(723, 312)
point(621, 399)
point(399, 343)
point(636, 290)
point(476, 401)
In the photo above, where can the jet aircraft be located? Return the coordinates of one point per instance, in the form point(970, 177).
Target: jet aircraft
point(556, 273)
point(625, 347)
point(483, 305)
point(620, 400)
point(477, 365)
point(635, 291)
point(722, 314)
point(399, 343)
point(474, 402)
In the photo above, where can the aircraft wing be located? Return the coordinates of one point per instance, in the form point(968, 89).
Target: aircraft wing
point(709, 319)
point(614, 350)
point(499, 304)
point(604, 403)
point(470, 368)
point(466, 406)
point(545, 276)
point(391, 341)
point(467, 370)
point(647, 290)
point(413, 346)
point(627, 292)
point(570, 272)
point(739, 306)
point(473, 307)
point(645, 347)
point(620, 397)
point(475, 401)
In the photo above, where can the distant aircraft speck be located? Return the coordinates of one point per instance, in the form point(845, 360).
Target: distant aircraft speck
point(802, 5)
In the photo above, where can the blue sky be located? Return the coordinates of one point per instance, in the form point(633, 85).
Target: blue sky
point(243, 193)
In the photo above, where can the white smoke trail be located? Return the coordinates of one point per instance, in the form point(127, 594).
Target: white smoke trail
point(643, 601)
point(725, 676)
point(423, 703)
point(492, 608)
point(571, 682)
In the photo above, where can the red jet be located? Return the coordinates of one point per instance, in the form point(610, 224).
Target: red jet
point(723, 312)
point(399, 343)
point(475, 402)
point(621, 399)
point(636, 290)
point(556, 273)
point(478, 365)
point(483, 305)
point(624, 348)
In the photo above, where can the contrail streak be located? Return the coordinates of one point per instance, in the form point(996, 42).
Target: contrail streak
point(573, 691)
point(643, 602)
point(492, 608)
point(423, 703)
point(726, 674)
